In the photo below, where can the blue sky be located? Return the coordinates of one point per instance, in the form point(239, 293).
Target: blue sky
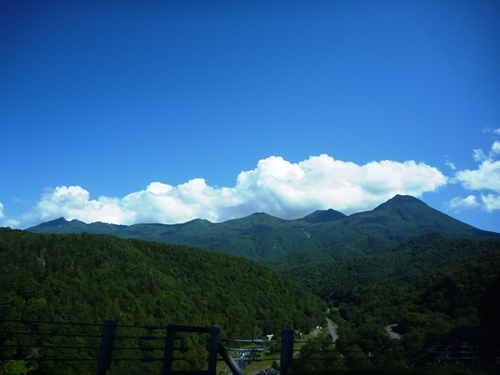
point(158, 111)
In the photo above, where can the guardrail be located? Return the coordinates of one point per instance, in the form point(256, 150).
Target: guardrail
point(15, 343)
point(102, 345)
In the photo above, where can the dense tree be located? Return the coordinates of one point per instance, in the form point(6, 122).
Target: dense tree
point(87, 278)
point(437, 290)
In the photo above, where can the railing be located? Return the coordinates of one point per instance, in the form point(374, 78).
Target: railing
point(26, 336)
point(101, 346)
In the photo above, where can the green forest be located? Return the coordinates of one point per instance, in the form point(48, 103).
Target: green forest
point(402, 284)
point(88, 278)
point(434, 291)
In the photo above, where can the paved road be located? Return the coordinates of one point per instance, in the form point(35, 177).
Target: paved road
point(331, 328)
point(393, 334)
point(257, 371)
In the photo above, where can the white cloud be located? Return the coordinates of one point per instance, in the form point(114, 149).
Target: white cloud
point(491, 202)
point(479, 155)
point(495, 149)
point(458, 204)
point(276, 186)
point(485, 177)
point(450, 164)
point(8, 221)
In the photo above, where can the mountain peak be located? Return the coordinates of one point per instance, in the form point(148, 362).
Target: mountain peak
point(404, 198)
point(399, 200)
point(324, 216)
point(56, 222)
point(59, 225)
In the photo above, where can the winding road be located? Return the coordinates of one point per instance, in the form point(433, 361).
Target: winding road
point(331, 328)
point(393, 334)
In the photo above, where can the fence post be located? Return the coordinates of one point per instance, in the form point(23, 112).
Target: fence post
point(168, 354)
point(287, 336)
point(106, 348)
point(466, 355)
point(213, 349)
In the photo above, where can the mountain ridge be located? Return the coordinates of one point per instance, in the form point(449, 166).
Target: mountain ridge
point(262, 236)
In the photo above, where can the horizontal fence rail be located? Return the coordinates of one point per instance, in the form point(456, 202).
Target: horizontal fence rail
point(108, 343)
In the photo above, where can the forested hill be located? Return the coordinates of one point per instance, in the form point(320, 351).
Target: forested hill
point(88, 277)
point(264, 237)
point(436, 290)
point(407, 263)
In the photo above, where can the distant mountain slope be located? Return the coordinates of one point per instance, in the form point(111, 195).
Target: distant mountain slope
point(63, 226)
point(407, 262)
point(403, 217)
point(435, 289)
point(261, 236)
point(362, 246)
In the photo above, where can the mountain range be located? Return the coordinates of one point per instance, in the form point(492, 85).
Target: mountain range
point(263, 237)
point(402, 264)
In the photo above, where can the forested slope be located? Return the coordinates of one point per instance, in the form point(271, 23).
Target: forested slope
point(86, 277)
point(436, 289)
point(408, 262)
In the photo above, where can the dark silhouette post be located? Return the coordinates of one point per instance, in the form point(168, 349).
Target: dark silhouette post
point(168, 354)
point(466, 355)
point(213, 349)
point(287, 337)
point(106, 348)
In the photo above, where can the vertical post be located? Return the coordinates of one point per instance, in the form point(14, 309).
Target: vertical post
point(168, 354)
point(465, 354)
point(106, 348)
point(287, 336)
point(213, 349)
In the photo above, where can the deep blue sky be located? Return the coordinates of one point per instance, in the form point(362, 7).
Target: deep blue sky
point(107, 112)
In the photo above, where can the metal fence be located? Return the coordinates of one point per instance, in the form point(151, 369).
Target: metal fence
point(102, 345)
point(39, 341)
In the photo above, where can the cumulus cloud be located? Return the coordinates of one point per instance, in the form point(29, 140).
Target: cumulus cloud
point(1, 211)
point(491, 202)
point(458, 204)
point(488, 202)
point(495, 149)
point(276, 186)
point(485, 178)
point(74, 202)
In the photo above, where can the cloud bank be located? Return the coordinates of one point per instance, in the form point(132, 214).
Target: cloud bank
point(276, 186)
point(486, 178)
